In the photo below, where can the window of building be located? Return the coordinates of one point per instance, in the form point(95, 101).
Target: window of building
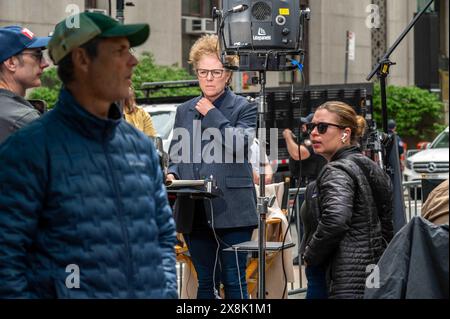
point(194, 8)
point(102, 6)
point(199, 8)
point(422, 3)
point(89, 4)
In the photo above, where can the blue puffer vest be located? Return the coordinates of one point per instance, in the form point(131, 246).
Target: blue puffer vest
point(80, 193)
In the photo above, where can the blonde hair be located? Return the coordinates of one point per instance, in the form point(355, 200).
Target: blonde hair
point(347, 117)
point(208, 45)
point(129, 103)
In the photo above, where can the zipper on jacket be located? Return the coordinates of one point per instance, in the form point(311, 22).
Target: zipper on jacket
point(118, 200)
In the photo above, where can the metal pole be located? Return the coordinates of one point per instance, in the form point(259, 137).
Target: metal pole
point(120, 6)
point(384, 103)
point(346, 59)
point(299, 237)
point(262, 200)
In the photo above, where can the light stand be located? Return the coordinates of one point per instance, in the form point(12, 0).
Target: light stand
point(262, 60)
point(263, 201)
point(382, 72)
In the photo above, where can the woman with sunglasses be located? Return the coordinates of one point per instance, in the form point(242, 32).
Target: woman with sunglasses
point(352, 199)
point(211, 226)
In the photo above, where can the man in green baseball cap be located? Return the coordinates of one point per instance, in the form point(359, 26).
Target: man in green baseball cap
point(85, 206)
point(76, 30)
point(92, 51)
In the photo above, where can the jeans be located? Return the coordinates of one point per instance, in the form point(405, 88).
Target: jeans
point(202, 246)
point(317, 283)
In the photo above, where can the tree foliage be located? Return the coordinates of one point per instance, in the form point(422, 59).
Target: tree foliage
point(417, 112)
point(49, 90)
point(145, 71)
point(148, 71)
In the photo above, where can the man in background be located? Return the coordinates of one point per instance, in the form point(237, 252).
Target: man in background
point(304, 164)
point(311, 163)
point(21, 66)
point(392, 129)
point(435, 209)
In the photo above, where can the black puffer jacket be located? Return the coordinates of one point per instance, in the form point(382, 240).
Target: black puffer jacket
point(355, 221)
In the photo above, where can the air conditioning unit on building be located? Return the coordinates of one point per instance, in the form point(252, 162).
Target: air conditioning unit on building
point(97, 10)
point(193, 25)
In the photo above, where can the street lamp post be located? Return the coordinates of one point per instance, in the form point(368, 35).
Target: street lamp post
point(120, 6)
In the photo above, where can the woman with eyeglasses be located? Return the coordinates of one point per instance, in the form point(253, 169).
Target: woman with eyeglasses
point(212, 135)
point(349, 206)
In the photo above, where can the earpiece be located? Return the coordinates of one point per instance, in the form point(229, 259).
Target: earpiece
point(344, 136)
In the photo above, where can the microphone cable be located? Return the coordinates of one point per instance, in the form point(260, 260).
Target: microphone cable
point(216, 293)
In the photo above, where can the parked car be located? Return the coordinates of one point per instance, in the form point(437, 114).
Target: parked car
point(163, 109)
point(163, 118)
point(431, 163)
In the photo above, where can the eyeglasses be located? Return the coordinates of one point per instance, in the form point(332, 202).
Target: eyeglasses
point(39, 56)
point(216, 73)
point(322, 127)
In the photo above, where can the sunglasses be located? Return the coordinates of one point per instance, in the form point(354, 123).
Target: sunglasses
point(322, 127)
point(38, 55)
